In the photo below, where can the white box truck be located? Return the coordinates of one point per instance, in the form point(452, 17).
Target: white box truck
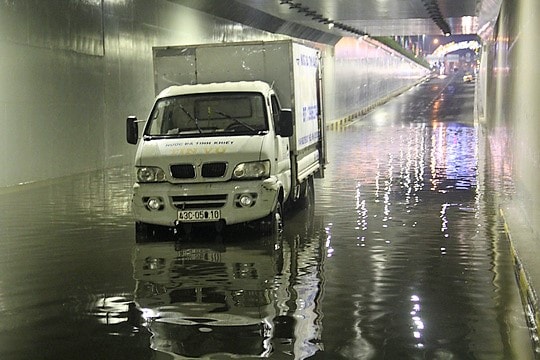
point(235, 133)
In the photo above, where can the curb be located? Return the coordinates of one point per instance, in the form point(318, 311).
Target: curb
point(529, 298)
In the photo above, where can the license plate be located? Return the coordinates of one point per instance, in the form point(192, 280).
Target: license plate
point(198, 215)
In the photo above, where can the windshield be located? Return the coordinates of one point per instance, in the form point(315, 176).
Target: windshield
point(208, 114)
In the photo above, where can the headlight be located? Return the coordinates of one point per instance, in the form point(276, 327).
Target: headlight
point(252, 170)
point(150, 174)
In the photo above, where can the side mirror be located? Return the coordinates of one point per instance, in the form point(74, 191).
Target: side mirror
point(132, 130)
point(285, 128)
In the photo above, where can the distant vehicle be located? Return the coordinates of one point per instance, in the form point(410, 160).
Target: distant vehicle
point(468, 78)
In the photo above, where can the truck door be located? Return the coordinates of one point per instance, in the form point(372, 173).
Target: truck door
point(281, 144)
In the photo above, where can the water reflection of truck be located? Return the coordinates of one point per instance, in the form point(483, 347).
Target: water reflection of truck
point(247, 299)
point(241, 136)
point(199, 301)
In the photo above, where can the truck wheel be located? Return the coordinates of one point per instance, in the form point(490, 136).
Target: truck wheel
point(149, 232)
point(188, 228)
point(143, 232)
point(277, 219)
point(273, 223)
point(219, 226)
point(307, 199)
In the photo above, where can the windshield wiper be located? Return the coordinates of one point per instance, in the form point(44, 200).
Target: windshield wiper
point(247, 126)
point(194, 119)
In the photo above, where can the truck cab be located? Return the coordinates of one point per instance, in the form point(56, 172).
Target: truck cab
point(212, 153)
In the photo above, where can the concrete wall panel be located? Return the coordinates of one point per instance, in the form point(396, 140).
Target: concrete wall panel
point(361, 72)
point(510, 92)
point(71, 71)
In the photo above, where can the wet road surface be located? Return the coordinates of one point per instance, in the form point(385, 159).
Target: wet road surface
point(402, 256)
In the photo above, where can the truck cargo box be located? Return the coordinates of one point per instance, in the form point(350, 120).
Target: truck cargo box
point(291, 68)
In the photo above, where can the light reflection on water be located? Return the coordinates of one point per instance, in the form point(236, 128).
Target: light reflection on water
point(245, 295)
point(411, 275)
point(401, 258)
point(421, 276)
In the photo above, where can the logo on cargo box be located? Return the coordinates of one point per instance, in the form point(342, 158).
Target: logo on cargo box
point(307, 60)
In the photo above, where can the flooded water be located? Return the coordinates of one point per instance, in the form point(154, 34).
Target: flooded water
point(403, 256)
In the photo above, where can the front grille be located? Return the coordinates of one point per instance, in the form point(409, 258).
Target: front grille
point(183, 171)
point(207, 170)
point(213, 170)
point(190, 202)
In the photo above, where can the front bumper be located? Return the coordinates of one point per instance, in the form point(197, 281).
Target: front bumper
point(219, 196)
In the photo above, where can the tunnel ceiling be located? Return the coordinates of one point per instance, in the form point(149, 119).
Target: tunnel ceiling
point(328, 20)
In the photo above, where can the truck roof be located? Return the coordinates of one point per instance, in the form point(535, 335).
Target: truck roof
point(236, 86)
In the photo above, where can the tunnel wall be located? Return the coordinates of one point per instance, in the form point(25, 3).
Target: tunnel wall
point(361, 73)
point(509, 104)
point(72, 71)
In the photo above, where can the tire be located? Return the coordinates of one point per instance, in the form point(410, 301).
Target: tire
point(277, 219)
point(142, 232)
point(273, 223)
point(307, 200)
point(149, 232)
